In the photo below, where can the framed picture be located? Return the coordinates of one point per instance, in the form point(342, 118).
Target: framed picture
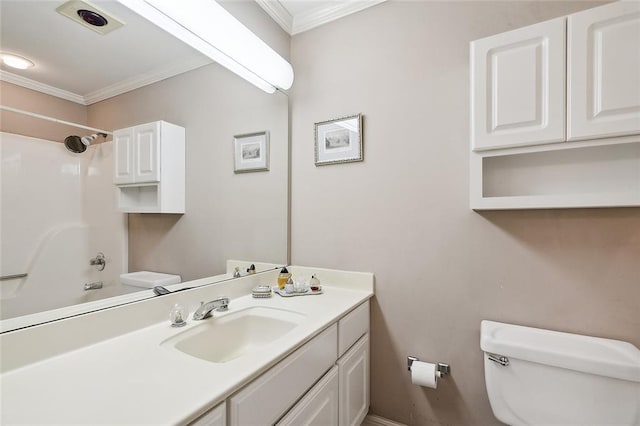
point(251, 152)
point(339, 140)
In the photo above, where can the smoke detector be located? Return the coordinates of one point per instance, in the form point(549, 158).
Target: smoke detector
point(90, 16)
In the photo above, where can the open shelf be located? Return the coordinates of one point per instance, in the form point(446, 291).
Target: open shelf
point(138, 198)
point(571, 174)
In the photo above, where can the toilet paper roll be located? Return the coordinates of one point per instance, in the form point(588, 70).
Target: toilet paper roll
point(424, 374)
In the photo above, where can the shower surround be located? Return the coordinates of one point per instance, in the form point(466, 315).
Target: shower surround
point(57, 211)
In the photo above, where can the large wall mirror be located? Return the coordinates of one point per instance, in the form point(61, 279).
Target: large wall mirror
point(59, 208)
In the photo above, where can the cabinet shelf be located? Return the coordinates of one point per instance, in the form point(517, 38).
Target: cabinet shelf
point(138, 198)
point(601, 173)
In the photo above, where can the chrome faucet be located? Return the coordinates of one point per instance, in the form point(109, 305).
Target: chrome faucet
point(220, 304)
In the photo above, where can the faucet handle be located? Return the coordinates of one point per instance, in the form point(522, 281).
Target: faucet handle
point(225, 304)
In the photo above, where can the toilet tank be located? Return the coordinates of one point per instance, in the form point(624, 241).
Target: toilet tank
point(543, 377)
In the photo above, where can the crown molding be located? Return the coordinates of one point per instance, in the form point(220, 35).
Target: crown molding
point(316, 17)
point(40, 87)
point(109, 91)
point(278, 13)
point(144, 80)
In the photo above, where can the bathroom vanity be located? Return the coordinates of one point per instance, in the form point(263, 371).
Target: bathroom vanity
point(285, 360)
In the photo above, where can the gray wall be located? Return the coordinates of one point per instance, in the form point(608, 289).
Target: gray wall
point(403, 213)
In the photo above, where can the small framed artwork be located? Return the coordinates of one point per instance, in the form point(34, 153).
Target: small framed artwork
point(339, 140)
point(251, 152)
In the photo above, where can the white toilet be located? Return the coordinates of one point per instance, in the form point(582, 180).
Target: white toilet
point(135, 281)
point(543, 377)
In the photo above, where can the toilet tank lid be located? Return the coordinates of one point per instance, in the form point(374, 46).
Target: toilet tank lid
point(149, 279)
point(594, 355)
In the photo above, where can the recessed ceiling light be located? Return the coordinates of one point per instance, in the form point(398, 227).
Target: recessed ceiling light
point(15, 61)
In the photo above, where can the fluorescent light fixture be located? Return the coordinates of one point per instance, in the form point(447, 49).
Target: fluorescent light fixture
point(15, 61)
point(210, 29)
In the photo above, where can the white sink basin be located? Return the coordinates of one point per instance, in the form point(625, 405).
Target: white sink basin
point(229, 336)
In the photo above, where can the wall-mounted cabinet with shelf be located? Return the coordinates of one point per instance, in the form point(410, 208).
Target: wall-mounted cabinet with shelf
point(149, 168)
point(555, 113)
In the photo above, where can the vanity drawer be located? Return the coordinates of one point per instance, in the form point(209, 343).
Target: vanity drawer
point(268, 397)
point(353, 326)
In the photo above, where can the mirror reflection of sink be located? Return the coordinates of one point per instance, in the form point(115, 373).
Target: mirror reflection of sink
point(224, 338)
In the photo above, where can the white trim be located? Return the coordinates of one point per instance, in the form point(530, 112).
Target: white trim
point(278, 13)
point(373, 420)
point(40, 87)
point(139, 81)
point(315, 18)
point(115, 89)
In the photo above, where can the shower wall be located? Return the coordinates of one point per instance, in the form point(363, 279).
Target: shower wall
point(57, 212)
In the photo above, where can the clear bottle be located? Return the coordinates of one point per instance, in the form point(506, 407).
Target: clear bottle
point(178, 316)
point(283, 277)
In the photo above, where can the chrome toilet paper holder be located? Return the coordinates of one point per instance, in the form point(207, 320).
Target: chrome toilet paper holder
point(441, 367)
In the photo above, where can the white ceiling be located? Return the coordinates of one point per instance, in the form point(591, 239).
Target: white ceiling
point(78, 64)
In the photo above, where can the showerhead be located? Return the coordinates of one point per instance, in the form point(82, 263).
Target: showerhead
point(74, 144)
point(79, 144)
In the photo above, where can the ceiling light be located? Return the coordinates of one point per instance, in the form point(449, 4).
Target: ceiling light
point(210, 29)
point(15, 61)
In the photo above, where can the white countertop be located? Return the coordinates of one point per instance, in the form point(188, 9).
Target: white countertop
point(132, 379)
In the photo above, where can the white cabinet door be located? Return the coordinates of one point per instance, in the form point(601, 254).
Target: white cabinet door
point(137, 154)
point(354, 383)
point(217, 416)
point(123, 146)
point(266, 399)
point(319, 407)
point(604, 71)
point(518, 87)
point(147, 152)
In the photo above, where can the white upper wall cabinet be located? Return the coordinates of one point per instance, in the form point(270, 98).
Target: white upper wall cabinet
point(604, 71)
point(149, 168)
point(518, 111)
point(518, 87)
